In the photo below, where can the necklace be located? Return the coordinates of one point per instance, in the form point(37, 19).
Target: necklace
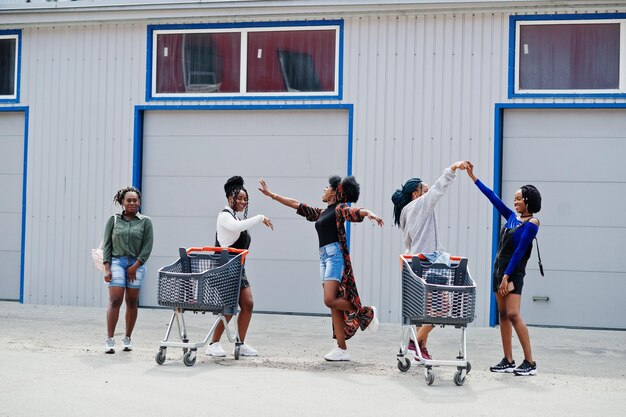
point(526, 216)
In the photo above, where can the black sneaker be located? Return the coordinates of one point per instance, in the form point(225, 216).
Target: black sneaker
point(526, 368)
point(504, 366)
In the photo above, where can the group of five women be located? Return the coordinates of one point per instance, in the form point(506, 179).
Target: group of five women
point(128, 242)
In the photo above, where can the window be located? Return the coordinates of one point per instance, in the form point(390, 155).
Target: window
point(566, 57)
point(9, 48)
point(296, 59)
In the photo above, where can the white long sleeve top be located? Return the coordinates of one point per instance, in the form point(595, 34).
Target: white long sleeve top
point(418, 220)
point(229, 227)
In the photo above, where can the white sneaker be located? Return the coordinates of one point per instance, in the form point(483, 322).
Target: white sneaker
point(247, 350)
point(215, 349)
point(109, 345)
point(128, 345)
point(374, 324)
point(337, 354)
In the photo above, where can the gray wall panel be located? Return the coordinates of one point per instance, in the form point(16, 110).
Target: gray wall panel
point(423, 85)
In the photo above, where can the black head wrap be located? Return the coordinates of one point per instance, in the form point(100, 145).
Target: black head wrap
point(402, 196)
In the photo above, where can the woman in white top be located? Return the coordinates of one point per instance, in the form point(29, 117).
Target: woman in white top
point(414, 211)
point(233, 233)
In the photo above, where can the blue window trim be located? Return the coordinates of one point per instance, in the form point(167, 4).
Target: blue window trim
point(242, 25)
point(497, 167)
point(24, 182)
point(141, 109)
point(18, 63)
point(560, 17)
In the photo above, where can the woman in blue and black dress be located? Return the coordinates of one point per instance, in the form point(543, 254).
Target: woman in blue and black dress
point(514, 249)
point(340, 291)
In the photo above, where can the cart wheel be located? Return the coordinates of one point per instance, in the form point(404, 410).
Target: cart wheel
point(237, 348)
point(429, 376)
point(160, 356)
point(404, 364)
point(459, 378)
point(190, 358)
point(469, 368)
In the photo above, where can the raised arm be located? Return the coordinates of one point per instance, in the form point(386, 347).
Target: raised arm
point(439, 188)
point(497, 203)
point(287, 201)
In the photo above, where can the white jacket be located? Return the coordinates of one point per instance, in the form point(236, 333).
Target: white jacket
point(418, 220)
point(229, 228)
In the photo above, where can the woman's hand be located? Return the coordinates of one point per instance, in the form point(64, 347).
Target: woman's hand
point(131, 272)
point(108, 276)
point(503, 289)
point(469, 168)
point(373, 217)
point(265, 189)
point(268, 222)
point(462, 165)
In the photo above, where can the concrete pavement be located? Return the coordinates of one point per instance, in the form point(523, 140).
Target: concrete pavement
point(52, 363)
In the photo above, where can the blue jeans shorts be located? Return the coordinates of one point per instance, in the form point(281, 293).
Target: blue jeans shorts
point(118, 270)
point(331, 262)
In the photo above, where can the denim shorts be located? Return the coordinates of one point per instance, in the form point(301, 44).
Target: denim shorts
point(118, 270)
point(331, 262)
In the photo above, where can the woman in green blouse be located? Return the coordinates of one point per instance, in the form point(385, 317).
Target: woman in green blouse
point(127, 245)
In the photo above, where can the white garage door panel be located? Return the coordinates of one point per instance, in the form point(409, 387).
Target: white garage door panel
point(10, 275)
point(565, 209)
point(248, 123)
point(592, 295)
point(574, 157)
point(11, 160)
point(11, 183)
point(577, 159)
point(275, 154)
point(297, 284)
point(571, 123)
point(576, 248)
point(187, 157)
point(11, 231)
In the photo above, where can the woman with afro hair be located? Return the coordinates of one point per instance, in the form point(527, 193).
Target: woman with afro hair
point(340, 291)
point(509, 269)
point(233, 233)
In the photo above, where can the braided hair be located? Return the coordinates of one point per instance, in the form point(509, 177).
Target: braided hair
point(119, 196)
point(532, 198)
point(232, 188)
point(403, 196)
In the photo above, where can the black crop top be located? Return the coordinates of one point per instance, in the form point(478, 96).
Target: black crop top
point(326, 226)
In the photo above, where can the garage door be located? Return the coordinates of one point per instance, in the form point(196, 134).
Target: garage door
point(575, 158)
point(187, 157)
point(11, 181)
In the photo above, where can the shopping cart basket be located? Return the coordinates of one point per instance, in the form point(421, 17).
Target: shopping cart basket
point(436, 294)
point(203, 280)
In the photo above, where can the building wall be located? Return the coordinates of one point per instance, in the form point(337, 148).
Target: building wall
point(423, 88)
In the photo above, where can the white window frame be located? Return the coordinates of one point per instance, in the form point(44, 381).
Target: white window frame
point(15, 67)
point(622, 63)
point(243, 64)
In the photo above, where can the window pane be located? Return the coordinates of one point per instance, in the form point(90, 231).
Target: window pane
point(298, 60)
point(570, 57)
point(198, 63)
point(7, 67)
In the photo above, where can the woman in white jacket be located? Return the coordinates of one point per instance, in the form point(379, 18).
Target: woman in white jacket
point(414, 212)
point(233, 233)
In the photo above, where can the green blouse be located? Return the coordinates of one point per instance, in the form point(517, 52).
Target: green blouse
point(128, 238)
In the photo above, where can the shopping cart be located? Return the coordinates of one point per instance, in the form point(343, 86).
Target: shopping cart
point(436, 294)
point(203, 280)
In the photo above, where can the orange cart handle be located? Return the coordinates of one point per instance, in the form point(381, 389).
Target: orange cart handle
point(423, 258)
point(243, 252)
